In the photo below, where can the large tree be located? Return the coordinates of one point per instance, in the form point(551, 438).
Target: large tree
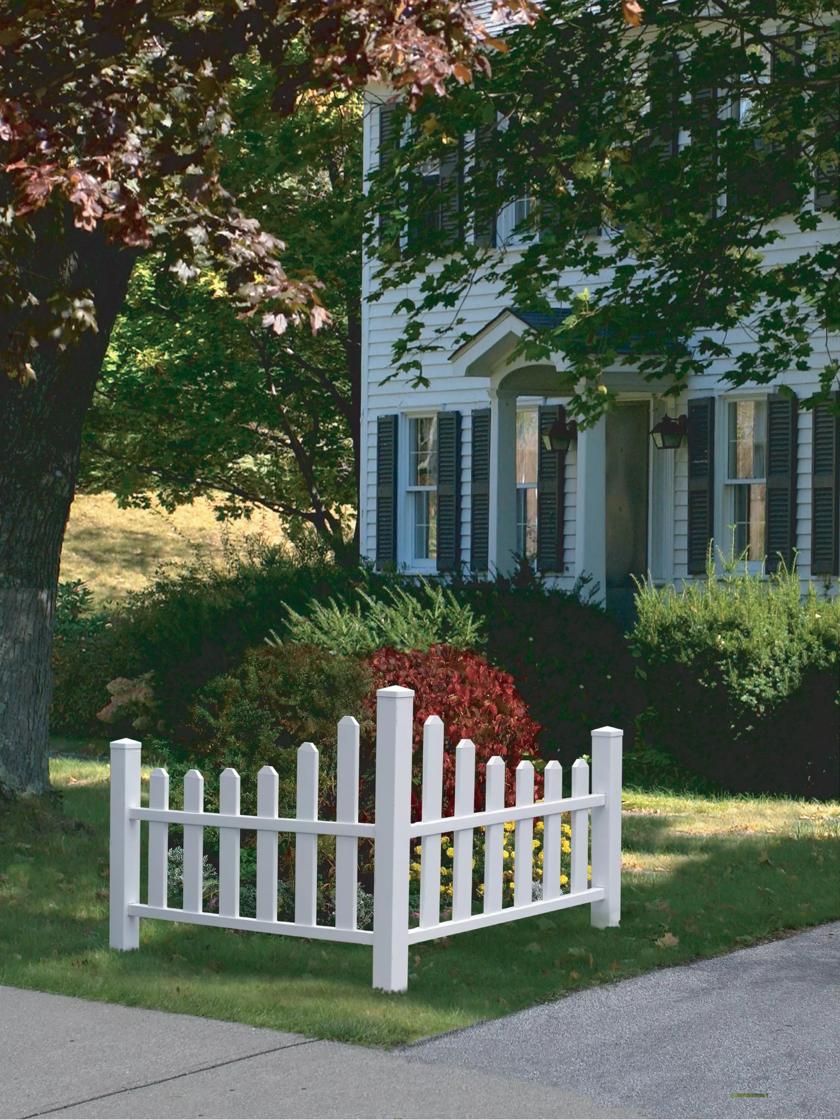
point(195, 400)
point(111, 115)
point(695, 143)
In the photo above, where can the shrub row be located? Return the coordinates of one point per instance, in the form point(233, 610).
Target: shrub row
point(715, 684)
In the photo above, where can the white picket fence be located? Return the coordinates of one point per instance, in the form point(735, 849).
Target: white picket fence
point(393, 833)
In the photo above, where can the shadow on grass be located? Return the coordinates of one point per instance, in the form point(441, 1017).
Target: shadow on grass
point(684, 896)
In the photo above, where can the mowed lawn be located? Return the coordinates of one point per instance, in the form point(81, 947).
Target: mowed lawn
point(119, 550)
point(701, 876)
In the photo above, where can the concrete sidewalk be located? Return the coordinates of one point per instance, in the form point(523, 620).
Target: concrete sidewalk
point(679, 1042)
point(71, 1057)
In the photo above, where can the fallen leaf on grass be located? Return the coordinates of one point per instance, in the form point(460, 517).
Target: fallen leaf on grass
point(667, 940)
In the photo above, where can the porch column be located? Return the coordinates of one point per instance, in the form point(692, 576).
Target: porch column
point(590, 530)
point(502, 545)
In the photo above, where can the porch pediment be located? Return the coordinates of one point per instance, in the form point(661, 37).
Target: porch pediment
point(489, 351)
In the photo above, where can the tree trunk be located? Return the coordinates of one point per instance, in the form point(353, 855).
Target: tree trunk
point(40, 436)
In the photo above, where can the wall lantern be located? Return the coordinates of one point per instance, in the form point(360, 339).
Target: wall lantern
point(669, 432)
point(560, 435)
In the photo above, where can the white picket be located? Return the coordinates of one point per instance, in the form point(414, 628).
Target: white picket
point(158, 839)
point(494, 836)
point(347, 809)
point(306, 846)
point(462, 871)
point(431, 810)
point(606, 825)
point(523, 838)
point(580, 829)
point(124, 844)
point(552, 830)
point(267, 793)
point(229, 845)
point(193, 843)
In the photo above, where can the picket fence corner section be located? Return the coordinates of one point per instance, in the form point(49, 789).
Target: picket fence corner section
point(595, 798)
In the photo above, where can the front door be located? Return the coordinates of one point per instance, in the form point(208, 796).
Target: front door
point(628, 440)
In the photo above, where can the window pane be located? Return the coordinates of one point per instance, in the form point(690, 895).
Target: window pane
point(747, 439)
point(749, 521)
point(526, 446)
point(526, 521)
point(425, 525)
point(422, 451)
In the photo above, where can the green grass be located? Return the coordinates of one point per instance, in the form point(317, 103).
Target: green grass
point(700, 876)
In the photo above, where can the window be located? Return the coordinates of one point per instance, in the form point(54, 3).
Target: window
point(746, 473)
point(527, 437)
point(422, 487)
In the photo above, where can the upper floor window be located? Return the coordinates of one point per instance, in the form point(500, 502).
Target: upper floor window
point(527, 437)
point(746, 476)
point(422, 487)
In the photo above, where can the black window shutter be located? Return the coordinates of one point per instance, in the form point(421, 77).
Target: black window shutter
point(701, 478)
point(386, 492)
point(551, 481)
point(484, 159)
point(388, 143)
point(449, 491)
point(705, 118)
point(825, 490)
point(480, 491)
point(780, 523)
point(451, 195)
point(827, 176)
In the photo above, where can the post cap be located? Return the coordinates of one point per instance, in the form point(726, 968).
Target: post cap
point(394, 692)
point(613, 732)
point(125, 745)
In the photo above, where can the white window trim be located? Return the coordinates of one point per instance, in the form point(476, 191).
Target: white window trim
point(405, 533)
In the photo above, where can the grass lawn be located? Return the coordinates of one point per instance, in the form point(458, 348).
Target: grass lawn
point(701, 876)
point(118, 550)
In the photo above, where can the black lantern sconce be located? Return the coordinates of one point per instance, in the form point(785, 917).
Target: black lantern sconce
point(669, 433)
point(560, 435)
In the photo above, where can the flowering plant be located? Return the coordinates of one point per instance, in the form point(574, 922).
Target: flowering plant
point(474, 699)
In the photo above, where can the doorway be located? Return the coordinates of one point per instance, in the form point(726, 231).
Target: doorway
point(627, 448)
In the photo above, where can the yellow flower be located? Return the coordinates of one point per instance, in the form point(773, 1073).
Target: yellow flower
point(418, 848)
point(509, 826)
point(566, 847)
point(535, 843)
point(505, 854)
point(415, 867)
point(450, 852)
point(564, 879)
point(540, 825)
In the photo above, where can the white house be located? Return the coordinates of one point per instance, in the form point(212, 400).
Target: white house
point(456, 476)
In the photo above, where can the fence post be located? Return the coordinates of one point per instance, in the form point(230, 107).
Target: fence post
point(394, 715)
point(606, 825)
point(124, 843)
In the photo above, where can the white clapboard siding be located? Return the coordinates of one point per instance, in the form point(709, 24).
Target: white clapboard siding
point(267, 794)
point(580, 829)
point(552, 831)
point(347, 809)
point(432, 801)
point(524, 835)
point(229, 845)
point(494, 837)
point(193, 843)
point(462, 862)
point(306, 846)
point(158, 839)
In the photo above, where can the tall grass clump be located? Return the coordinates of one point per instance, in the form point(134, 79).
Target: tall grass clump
point(403, 618)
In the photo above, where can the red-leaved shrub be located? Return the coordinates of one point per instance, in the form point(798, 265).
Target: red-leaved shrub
point(475, 701)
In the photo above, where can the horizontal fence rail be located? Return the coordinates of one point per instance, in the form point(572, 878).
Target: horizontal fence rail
point(484, 882)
